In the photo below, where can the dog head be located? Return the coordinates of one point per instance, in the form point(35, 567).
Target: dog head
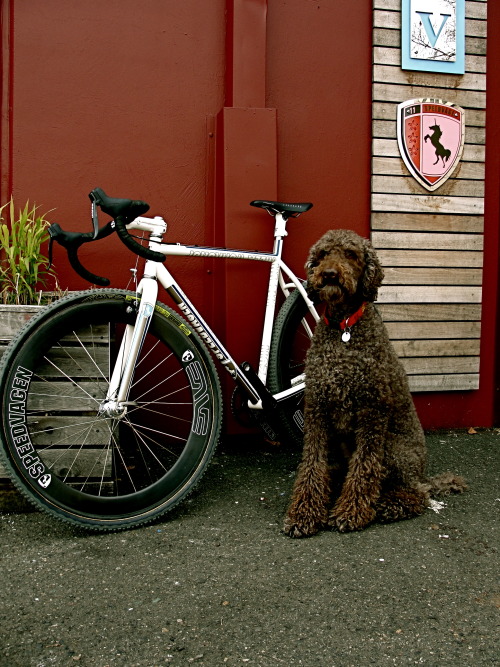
point(343, 269)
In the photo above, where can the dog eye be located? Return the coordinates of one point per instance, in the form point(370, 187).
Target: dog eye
point(350, 254)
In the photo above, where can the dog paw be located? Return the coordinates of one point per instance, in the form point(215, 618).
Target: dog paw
point(297, 529)
point(346, 522)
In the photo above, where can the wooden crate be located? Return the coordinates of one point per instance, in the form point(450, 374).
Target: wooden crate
point(66, 397)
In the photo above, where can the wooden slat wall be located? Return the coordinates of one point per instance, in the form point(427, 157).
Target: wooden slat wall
point(430, 244)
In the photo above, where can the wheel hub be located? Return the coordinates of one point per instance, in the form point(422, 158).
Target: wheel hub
point(112, 409)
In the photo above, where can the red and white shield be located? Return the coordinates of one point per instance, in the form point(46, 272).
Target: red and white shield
point(430, 139)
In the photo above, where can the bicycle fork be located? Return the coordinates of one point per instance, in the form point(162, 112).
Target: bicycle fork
point(116, 403)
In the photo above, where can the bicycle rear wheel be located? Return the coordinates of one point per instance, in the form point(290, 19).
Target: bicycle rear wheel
point(293, 329)
point(80, 464)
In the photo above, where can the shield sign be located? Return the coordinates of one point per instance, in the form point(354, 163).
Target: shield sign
point(430, 139)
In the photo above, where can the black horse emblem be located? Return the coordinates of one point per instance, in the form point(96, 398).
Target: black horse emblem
point(441, 151)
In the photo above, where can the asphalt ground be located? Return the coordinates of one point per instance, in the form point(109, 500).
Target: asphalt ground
point(216, 583)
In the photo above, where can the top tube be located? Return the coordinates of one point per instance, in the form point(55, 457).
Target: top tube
point(209, 251)
point(157, 227)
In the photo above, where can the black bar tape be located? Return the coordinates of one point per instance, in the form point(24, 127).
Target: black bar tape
point(83, 272)
point(133, 245)
point(72, 241)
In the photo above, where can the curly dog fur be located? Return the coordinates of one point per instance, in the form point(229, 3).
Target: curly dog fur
point(364, 452)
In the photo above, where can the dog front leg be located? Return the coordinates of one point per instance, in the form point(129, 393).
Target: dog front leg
point(308, 510)
point(356, 505)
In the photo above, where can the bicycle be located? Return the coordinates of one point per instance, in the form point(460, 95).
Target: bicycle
point(111, 403)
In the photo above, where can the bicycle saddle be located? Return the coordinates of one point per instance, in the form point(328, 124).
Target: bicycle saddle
point(286, 210)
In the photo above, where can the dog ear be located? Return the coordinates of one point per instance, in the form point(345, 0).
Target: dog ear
point(318, 250)
point(373, 274)
point(312, 259)
point(309, 266)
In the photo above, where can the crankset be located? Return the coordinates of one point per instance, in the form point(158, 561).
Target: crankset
point(249, 418)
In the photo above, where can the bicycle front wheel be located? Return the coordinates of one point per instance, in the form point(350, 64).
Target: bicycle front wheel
point(70, 457)
point(293, 330)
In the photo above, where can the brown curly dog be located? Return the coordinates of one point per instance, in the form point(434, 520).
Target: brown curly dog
point(364, 448)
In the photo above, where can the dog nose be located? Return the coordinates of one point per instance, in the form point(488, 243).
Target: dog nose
point(329, 274)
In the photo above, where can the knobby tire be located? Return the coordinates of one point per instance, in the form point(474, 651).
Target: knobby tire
point(289, 345)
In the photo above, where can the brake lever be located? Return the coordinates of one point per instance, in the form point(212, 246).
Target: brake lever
point(95, 220)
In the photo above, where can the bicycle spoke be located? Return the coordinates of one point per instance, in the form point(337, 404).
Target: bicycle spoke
point(93, 421)
point(67, 377)
point(151, 370)
point(98, 368)
point(150, 389)
point(140, 427)
point(142, 440)
point(163, 414)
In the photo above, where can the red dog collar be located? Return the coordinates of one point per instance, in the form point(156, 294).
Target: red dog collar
point(346, 324)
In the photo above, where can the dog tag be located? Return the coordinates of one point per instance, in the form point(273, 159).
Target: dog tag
point(346, 336)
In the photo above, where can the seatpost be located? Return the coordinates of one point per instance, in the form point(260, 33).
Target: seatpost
point(280, 226)
point(279, 233)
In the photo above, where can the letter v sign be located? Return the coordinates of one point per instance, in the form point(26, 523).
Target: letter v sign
point(425, 17)
point(433, 35)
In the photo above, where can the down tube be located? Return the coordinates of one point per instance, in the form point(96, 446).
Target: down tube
point(202, 329)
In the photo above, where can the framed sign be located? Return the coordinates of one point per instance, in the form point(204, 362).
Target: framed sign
point(430, 139)
point(433, 35)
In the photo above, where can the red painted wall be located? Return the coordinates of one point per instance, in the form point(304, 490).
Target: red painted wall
point(116, 95)
point(319, 80)
point(490, 361)
point(199, 107)
point(320, 151)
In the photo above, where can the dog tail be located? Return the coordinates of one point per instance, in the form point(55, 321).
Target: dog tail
point(445, 484)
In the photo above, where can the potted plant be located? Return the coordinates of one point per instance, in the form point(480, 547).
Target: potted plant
point(23, 267)
point(24, 270)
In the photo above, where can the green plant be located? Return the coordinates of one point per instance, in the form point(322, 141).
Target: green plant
point(23, 267)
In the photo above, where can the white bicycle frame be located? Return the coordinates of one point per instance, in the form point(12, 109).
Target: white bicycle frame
point(154, 272)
